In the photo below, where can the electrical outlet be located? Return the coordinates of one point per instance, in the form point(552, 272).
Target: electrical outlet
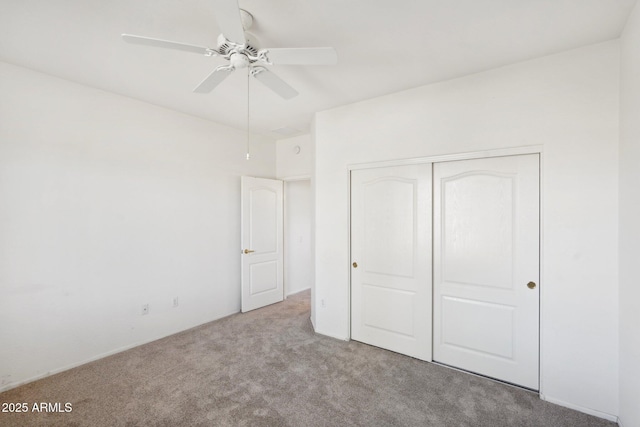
point(175, 301)
point(145, 309)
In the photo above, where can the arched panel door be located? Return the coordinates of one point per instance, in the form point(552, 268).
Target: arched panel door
point(262, 242)
point(391, 258)
point(486, 267)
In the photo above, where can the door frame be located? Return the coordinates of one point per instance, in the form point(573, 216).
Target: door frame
point(500, 152)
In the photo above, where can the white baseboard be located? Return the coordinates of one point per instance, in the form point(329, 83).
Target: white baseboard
point(313, 325)
point(594, 412)
point(298, 291)
point(13, 385)
point(338, 337)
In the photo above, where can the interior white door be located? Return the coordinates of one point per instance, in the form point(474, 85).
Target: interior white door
point(486, 267)
point(391, 258)
point(262, 236)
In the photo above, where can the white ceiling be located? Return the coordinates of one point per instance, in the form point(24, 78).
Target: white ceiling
point(383, 47)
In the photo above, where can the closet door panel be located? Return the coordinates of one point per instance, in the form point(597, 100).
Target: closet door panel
point(391, 258)
point(486, 267)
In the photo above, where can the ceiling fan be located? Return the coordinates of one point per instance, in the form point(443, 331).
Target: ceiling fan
point(242, 50)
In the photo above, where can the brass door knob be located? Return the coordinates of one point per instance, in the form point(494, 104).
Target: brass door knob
point(531, 285)
point(248, 251)
point(355, 265)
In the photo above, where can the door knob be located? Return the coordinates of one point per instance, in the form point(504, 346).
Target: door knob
point(531, 285)
point(248, 251)
point(355, 265)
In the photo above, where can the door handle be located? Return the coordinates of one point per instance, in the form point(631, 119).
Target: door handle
point(248, 251)
point(355, 265)
point(531, 285)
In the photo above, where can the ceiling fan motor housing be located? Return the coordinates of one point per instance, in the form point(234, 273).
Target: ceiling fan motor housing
point(251, 48)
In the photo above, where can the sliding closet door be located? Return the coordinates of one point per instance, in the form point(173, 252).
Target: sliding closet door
point(391, 258)
point(486, 267)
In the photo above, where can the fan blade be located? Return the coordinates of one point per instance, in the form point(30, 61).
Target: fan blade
point(302, 56)
point(273, 82)
point(214, 79)
point(228, 18)
point(148, 41)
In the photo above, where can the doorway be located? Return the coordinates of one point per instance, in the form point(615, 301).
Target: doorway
point(297, 236)
point(276, 240)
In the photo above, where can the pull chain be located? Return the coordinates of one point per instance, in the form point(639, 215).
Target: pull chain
point(248, 122)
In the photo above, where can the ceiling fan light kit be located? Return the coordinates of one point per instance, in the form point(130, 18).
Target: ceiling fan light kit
point(242, 50)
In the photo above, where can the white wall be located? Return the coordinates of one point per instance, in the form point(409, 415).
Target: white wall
point(629, 223)
point(297, 232)
point(107, 203)
point(289, 162)
point(569, 104)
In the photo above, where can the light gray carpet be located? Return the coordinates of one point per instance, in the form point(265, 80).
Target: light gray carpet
point(268, 368)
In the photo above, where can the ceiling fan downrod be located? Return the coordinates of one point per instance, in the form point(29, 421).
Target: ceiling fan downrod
point(248, 115)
